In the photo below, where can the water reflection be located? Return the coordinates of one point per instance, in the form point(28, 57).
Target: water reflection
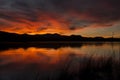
point(97, 61)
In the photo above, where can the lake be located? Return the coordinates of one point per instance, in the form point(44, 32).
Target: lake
point(60, 61)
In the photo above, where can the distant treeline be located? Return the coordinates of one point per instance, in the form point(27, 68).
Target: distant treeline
point(12, 37)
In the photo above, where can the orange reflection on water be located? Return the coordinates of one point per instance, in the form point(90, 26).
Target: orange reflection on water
point(50, 57)
point(42, 56)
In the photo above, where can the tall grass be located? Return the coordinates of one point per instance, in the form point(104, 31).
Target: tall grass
point(90, 69)
point(93, 69)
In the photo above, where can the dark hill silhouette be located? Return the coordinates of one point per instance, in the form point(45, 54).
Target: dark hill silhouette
point(13, 37)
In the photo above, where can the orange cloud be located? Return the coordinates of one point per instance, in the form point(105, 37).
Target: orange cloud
point(57, 16)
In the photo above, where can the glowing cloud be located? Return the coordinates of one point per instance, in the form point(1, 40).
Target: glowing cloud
point(57, 16)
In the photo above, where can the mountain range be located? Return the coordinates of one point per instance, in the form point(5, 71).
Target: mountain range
point(13, 37)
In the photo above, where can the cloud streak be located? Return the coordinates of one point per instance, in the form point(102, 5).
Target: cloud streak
point(60, 15)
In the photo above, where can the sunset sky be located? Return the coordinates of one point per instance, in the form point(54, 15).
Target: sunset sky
point(79, 17)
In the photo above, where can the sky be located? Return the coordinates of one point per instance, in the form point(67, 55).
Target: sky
point(79, 17)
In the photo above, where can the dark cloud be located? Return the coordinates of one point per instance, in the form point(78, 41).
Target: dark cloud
point(94, 11)
point(102, 10)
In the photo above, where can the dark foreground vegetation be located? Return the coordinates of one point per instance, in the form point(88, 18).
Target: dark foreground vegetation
point(12, 37)
point(93, 69)
point(88, 69)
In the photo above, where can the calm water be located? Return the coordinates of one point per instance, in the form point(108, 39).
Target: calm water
point(84, 61)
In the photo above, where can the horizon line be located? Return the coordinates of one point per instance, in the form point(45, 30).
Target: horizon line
point(57, 34)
